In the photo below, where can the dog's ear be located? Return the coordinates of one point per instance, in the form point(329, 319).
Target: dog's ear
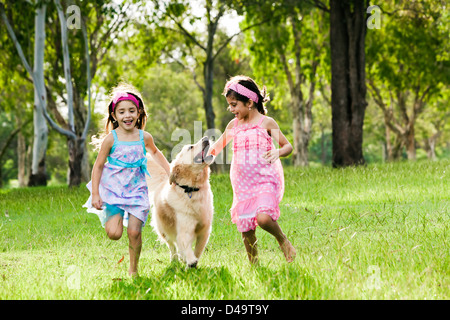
point(174, 174)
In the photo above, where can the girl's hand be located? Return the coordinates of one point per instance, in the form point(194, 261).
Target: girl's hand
point(272, 155)
point(97, 202)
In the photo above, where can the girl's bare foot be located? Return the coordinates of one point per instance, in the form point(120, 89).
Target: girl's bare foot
point(133, 274)
point(288, 250)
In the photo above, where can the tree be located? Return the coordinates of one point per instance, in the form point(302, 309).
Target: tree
point(434, 125)
point(77, 125)
point(16, 117)
point(178, 17)
point(38, 174)
point(38, 79)
point(292, 42)
point(408, 66)
point(16, 93)
point(348, 80)
point(104, 21)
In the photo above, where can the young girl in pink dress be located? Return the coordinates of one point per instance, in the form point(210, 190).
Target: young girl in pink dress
point(119, 193)
point(256, 172)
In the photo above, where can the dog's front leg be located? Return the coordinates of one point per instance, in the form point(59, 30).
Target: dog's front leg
point(200, 244)
point(173, 251)
point(184, 244)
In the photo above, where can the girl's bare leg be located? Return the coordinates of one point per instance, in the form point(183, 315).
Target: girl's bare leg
point(250, 245)
point(114, 227)
point(266, 223)
point(134, 230)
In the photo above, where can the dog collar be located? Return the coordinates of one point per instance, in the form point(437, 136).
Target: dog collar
point(187, 189)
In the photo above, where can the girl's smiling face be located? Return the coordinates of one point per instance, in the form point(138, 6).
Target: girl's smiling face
point(238, 108)
point(126, 114)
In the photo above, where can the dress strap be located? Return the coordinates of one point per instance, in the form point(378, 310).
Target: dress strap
point(236, 120)
point(141, 138)
point(116, 140)
point(261, 121)
point(115, 135)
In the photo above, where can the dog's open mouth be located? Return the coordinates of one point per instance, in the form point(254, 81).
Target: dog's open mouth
point(202, 157)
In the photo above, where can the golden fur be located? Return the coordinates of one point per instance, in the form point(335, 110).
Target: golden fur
point(181, 218)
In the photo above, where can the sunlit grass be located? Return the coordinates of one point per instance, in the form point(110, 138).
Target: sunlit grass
point(375, 232)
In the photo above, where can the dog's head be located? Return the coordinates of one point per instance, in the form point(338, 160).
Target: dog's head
point(195, 154)
point(191, 162)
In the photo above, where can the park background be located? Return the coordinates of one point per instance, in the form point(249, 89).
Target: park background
point(180, 54)
point(366, 200)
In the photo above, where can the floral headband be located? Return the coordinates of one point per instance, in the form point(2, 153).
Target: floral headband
point(120, 96)
point(239, 88)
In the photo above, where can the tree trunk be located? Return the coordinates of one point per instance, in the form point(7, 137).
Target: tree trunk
point(301, 111)
point(323, 153)
point(77, 125)
point(348, 88)
point(393, 150)
point(78, 163)
point(77, 142)
point(430, 146)
point(38, 176)
point(300, 133)
point(21, 154)
point(397, 149)
point(388, 153)
point(76, 154)
point(410, 142)
point(5, 148)
point(208, 92)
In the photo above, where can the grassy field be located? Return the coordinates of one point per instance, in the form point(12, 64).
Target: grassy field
point(375, 232)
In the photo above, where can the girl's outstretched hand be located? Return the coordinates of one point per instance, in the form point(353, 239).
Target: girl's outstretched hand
point(272, 155)
point(97, 202)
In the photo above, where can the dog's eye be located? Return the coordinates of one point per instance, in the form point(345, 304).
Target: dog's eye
point(190, 147)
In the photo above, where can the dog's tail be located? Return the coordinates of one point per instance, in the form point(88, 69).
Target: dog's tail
point(157, 174)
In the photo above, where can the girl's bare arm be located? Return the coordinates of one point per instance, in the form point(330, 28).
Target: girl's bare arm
point(156, 153)
point(98, 169)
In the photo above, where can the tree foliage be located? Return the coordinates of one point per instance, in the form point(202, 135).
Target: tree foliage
point(180, 53)
point(408, 69)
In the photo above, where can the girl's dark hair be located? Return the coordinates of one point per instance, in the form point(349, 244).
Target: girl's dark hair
point(110, 123)
point(125, 87)
point(250, 84)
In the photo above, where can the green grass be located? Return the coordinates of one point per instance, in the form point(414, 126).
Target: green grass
point(375, 232)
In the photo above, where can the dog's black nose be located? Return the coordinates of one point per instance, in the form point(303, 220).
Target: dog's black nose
point(205, 142)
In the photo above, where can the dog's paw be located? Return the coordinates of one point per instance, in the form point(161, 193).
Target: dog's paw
point(193, 264)
point(175, 258)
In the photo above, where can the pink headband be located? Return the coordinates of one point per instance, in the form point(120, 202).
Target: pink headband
point(239, 88)
point(120, 96)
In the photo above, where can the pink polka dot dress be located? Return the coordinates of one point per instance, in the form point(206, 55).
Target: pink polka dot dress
point(258, 186)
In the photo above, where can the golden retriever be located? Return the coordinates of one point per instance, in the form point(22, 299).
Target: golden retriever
point(183, 203)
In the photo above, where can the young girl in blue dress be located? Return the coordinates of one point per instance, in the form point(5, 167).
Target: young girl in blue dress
point(119, 193)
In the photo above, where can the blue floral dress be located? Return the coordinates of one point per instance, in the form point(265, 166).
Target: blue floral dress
point(123, 186)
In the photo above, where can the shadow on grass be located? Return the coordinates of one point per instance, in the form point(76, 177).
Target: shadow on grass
point(288, 282)
point(175, 282)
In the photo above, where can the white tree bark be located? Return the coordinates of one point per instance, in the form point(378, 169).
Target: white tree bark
point(11, 33)
point(40, 124)
point(66, 60)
